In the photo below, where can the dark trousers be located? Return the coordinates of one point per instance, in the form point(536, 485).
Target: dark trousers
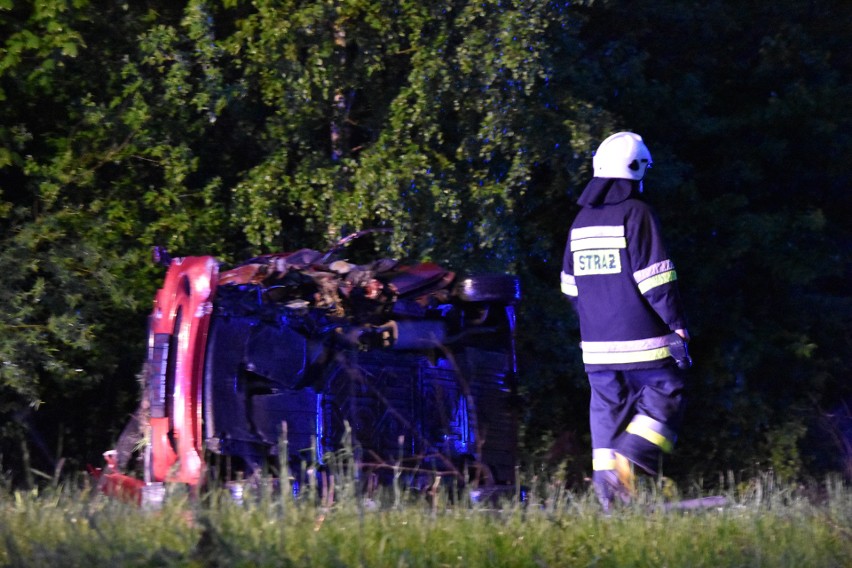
point(636, 413)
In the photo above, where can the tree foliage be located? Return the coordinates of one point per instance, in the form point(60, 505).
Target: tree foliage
point(237, 127)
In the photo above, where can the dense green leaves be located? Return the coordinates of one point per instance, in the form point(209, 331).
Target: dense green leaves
point(236, 128)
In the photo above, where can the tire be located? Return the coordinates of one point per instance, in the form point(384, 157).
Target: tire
point(496, 288)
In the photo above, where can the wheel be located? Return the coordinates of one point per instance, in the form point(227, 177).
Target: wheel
point(502, 288)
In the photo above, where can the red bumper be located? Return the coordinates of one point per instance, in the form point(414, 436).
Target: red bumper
point(181, 315)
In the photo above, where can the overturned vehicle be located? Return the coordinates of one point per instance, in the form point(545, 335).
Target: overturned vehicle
point(417, 361)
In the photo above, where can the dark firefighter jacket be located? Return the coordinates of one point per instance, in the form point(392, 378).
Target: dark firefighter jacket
point(618, 274)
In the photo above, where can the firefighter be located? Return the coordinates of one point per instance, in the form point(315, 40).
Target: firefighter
point(622, 283)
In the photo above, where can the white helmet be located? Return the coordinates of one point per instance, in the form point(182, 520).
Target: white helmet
point(622, 155)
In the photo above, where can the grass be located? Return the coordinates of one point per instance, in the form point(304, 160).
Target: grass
point(762, 525)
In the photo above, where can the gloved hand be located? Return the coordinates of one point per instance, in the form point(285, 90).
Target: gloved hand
point(678, 348)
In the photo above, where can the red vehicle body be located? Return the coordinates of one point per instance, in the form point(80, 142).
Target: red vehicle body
point(420, 363)
point(179, 321)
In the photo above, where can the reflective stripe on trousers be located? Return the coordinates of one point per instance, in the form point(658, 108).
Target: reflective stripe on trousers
point(603, 459)
point(654, 431)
